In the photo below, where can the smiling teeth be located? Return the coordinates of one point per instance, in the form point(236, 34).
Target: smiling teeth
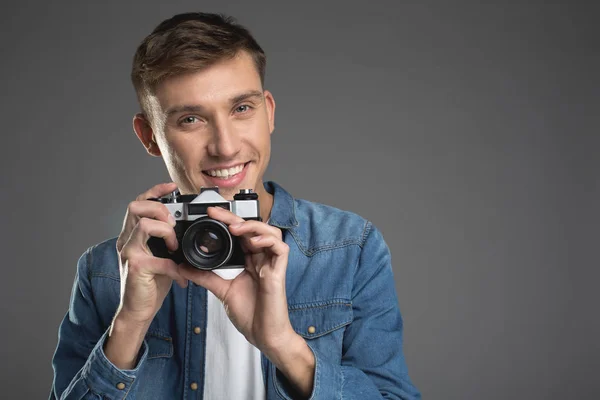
point(226, 173)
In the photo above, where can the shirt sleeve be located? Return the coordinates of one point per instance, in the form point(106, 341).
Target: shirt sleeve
point(373, 364)
point(81, 369)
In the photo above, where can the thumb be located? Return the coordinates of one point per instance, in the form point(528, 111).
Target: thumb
point(207, 279)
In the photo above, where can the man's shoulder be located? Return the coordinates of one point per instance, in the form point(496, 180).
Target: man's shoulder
point(101, 259)
point(322, 227)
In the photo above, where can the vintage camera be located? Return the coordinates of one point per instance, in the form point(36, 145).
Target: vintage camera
point(205, 243)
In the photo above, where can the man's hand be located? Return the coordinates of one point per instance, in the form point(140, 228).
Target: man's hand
point(145, 279)
point(255, 300)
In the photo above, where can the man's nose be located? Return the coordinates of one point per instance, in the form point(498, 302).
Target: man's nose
point(224, 142)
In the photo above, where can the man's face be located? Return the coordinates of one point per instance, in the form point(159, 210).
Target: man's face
point(212, 127)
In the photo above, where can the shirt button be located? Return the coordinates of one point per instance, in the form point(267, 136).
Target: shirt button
point(194, 386)
point(120, 386)
point(311, 329)
point(197, 330)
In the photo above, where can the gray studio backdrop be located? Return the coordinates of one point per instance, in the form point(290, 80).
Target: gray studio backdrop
point(468, 134)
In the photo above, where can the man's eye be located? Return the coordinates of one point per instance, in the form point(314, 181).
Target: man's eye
point(243, 108)
point(189, 120)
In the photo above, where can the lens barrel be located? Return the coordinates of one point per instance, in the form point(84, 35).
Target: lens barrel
point(207, 244)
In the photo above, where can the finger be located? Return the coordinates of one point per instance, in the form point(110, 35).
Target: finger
point(145, 208)
point(254, 228)
point(225, 216)
point(207, 279)
point(150, 209)
point(140, 263)
point(147, 227)
point(165, 266)
point(159, 190)
point(276, 246)
point(249, 265)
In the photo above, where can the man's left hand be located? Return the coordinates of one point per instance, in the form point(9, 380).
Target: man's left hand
point(255, 301)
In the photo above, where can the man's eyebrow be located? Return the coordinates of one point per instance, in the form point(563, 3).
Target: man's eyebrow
point(184, 108)
point(199, 108)
point(245, 96)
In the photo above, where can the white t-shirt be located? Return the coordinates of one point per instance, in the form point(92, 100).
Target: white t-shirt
point(233, 366)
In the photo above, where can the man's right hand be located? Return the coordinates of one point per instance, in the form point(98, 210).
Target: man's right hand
point(145, 280)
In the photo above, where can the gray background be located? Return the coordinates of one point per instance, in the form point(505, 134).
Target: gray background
point(467, 133)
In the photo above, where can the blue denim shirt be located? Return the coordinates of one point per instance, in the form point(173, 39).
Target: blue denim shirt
point(339, 283)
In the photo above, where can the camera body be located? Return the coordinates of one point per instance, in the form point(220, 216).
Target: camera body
point(205, 243)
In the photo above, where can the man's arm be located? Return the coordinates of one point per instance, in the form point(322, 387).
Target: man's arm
point(373, 364)
point(81, 366)
point(81, 369)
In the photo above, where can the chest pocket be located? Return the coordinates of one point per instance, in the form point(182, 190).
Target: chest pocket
point(319, 319)
point(159, 345)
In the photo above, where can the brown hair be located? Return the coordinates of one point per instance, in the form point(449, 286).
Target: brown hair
point(190, 42)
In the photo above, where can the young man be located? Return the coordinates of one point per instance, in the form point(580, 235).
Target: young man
point(313, 313)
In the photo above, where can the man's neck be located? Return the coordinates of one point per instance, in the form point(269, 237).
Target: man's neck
point(265, 201)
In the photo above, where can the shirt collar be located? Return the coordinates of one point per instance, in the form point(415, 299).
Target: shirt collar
point(283, 213)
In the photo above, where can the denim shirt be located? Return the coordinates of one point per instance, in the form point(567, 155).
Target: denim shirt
point(341, 300)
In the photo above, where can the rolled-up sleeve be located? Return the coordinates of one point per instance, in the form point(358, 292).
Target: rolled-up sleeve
point(81, 369)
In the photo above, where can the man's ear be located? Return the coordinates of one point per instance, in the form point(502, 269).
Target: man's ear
point(144, 132)
point(270, 103)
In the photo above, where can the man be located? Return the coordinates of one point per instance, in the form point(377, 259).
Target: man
point(313, 313)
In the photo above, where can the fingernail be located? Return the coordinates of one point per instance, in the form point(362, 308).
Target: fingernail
point(171, 219)
point(237, 225)
point(256, 238)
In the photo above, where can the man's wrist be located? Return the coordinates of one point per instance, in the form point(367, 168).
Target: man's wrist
point(296, 362)
point(124, 341)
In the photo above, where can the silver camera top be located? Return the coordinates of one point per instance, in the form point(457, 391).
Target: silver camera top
point(192, 207)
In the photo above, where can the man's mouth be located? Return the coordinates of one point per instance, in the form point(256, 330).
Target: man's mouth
point(225, 173)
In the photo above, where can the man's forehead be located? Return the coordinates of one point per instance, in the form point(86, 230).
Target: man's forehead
point(240, 68)
point(205, 99)
point(210, 86)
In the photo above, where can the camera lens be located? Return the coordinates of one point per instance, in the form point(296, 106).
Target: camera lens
point(207, 244)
